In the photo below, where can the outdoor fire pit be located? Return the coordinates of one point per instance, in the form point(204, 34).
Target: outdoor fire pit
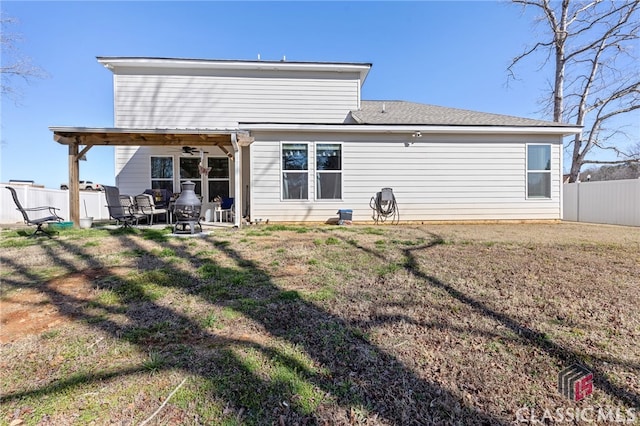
point(186, 210)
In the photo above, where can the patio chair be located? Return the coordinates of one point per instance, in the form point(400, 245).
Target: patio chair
point(129, 204)
point(147, 207)
point(38, 222)
point(226, 207)
point(161, 197)
point(120, 209)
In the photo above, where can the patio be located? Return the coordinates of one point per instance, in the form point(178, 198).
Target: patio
point(80, 140)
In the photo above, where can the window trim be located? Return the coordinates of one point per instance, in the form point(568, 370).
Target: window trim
point(196, 180)
point(528, 171)
point(316, 172)
point(227, 179)
point(310, 154)
point(173, 171)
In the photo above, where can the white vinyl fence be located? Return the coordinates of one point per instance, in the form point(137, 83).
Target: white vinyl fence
point(615, 202)
point(92, 204)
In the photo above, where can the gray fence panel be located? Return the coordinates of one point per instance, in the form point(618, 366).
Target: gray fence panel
point(615, 202)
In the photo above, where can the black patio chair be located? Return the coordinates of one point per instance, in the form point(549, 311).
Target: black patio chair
point(122, 214)
point(39, 221)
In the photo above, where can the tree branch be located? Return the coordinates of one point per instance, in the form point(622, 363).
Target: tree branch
point(632, 160)
point(14, 64)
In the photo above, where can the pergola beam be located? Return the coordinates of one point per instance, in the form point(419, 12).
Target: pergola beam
point(74, 137)
point(84, 151)
point(163, 137)
point(145, 140)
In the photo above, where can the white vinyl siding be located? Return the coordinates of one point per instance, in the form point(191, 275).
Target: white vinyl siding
point(191, 101)
point(133, 168)
point(438, 178)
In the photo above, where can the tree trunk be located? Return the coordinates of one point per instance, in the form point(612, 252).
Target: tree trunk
point(560, 38)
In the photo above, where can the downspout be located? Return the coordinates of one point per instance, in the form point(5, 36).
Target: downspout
point(237, 187)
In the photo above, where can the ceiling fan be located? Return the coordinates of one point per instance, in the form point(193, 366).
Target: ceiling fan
point(192, 150)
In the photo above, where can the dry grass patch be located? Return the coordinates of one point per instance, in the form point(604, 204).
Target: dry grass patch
point(437, 324)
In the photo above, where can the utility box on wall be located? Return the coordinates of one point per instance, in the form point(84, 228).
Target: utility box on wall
point(345, 216)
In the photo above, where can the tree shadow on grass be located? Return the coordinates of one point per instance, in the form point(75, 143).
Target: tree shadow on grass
point(524, 334)
point(317, 363)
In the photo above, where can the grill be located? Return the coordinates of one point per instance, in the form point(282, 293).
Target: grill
point(187, 210)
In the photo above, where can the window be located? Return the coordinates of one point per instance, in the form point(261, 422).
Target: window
point(328, 171)
point(218, 179)
point(295, 171)
point(189, 171)
point(162, 173)
point(539, 171)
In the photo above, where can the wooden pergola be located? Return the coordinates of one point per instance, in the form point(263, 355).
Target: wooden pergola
point(80, 140)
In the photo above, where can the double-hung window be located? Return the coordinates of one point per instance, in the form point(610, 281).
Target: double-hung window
point(328, 171)
point(189, 171)
point(295, 171)
point(218, 178)
point(162, 173)
point(538, 171)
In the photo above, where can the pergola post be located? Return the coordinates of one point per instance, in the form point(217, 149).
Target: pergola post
point(237, 170)
point(74, 184)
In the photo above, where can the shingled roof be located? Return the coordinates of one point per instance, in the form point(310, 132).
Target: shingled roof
point(411, 113)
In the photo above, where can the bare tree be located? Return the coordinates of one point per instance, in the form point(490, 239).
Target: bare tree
point(613, 172)
point(14, 64)
point(596, 73)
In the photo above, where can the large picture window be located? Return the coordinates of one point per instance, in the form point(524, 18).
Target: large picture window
point(328, 171)
point(295, 171)
point(162, 173)
point(538, 171)
point(218, 179)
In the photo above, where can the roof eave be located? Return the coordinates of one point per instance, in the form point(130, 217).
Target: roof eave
point(563, 130)
point(113, 63)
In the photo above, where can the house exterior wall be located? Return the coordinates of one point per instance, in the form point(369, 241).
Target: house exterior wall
point(217, 99)
point(438, 178)
point(195, 98)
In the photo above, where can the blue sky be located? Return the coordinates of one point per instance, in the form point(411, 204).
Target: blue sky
point(448, 53)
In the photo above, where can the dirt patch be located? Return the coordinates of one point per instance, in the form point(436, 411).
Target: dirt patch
point(32, 311)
